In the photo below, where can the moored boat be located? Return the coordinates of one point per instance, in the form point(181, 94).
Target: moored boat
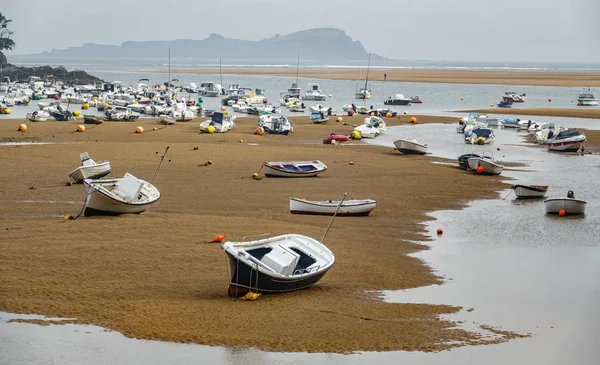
point(126, 195)
point(346, 208)
point(294, 168)
point(586, 98)
point(568, 140)
point(89, 169)
point(276, 264)
point(567, 206)
point(529, 191)
point(398, 99)
point(485, 165)
point(463, 160)
point(406, 146)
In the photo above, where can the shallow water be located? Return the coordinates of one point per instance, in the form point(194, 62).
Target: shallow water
point(438, 98)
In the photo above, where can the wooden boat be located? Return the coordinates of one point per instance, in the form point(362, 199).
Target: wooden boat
point(487, 164)
point(126, 195)
point(410, 147)
point(336, 138)
point(276, 264)
point(89, 169)
point(568, 205)
point(529, 191)
point(329, 207)
point(294, 168)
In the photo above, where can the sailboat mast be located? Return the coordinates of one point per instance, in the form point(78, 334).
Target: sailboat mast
point(221, 72)
point(368, 66)
point(297, 69)
point(169, 77)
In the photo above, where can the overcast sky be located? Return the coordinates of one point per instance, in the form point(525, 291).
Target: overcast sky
point(467, 30)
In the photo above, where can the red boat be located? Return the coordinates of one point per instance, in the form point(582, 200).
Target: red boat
point(336, 138)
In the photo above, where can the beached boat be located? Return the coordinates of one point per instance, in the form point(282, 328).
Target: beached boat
point(276, 264)
point(406, 146)
point(586, 98)
point(220, 121)
point(92, 119)
point(272, 124)
point(463, 161)
point(89, 169)
point(529, 191)
point(62, 115)
point(568, 140)
point(37, 116)
point(335, 138)
point(568, 205)
point(319, 118)
point(294, 168)
point(346, 208)
point(514, 97)
point(487, 164)
point(397, 99)
point(126, 195)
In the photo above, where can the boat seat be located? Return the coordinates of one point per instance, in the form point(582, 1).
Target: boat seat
point(129, 188)
point(281, 260)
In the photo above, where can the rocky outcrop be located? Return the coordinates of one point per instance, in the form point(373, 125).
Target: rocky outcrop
point(79, 77)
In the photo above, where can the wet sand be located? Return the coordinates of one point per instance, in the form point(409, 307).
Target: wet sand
point(539, 78)
point(583, 112)
point(155, 276)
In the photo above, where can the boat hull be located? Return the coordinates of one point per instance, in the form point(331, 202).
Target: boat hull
point(570, 206)
point(246, 278)
point(348, 208)
point(566, 146)
point(396, 102)
point(489, 168)
point(89, 172)
point(410, 147)
point(281, 171)
point(99, 203)
point(529, 191)
point(587, 102)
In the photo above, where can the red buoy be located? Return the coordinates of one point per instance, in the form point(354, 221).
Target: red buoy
point(479, 169)
point(439, 231)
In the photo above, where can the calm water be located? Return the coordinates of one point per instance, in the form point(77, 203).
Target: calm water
point(438, 98)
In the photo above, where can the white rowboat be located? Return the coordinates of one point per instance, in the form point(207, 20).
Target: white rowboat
point(529, 191)
point(294, 168)
point(410, 147)
point(89, 169)
point(347, 208)
point(126, 195)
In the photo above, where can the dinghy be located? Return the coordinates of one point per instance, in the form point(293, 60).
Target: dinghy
point(405, 146)
point(329, 207)
point(38, 116)
point(89, 169)
point(294, 168)
point(568, 205)
point(92, 119)
point(529, 191)
point(487, 165)
point(319, 118)
point(336, 138)
point(126, 195)
point(463, 160)
point(276, 264)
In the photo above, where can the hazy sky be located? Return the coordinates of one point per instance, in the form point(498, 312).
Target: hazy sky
point(471, 30)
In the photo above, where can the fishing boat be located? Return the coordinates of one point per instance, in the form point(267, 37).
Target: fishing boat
point(568, 140)
point(89, 169)
point(568, 205)
point(314, 93)
point(221, 122)
point(328, 207)
point(126, 195)
point(529, 191)
point(485, 165)
point(276, 264)
point(294, 168)
point(586, 98)
point(336, 138)
point(406, 146)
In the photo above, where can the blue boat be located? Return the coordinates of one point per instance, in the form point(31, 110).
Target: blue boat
point(504, 104)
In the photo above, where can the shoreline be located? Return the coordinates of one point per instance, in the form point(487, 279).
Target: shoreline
point(522, 78)
point(591, 113)
point(188, 279)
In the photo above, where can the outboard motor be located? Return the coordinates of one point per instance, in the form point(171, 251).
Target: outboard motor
point(571, 194)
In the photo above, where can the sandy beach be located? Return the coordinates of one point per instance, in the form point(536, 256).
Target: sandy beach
point(155, 276)
point(593, 113)
point(536, 78)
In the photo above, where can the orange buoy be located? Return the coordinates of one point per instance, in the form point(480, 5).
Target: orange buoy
point(561, 213)
point(413, 120)
point(81, 128)
point(388, 115)
point(479, 169)
point(22, 128)
point(139, 130)
point(439, 231)
point(219, 238)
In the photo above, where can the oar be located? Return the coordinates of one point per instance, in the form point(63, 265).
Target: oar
point(332, 218)
point(162, 157)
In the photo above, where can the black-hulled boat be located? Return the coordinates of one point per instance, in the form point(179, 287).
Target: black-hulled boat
point(463, 160)
point(276, 264)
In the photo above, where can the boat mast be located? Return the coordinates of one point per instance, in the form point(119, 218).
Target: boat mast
point(169, 77)
point(297, 69)
point(220, 72)
point(332, 218)
point(368, 66)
